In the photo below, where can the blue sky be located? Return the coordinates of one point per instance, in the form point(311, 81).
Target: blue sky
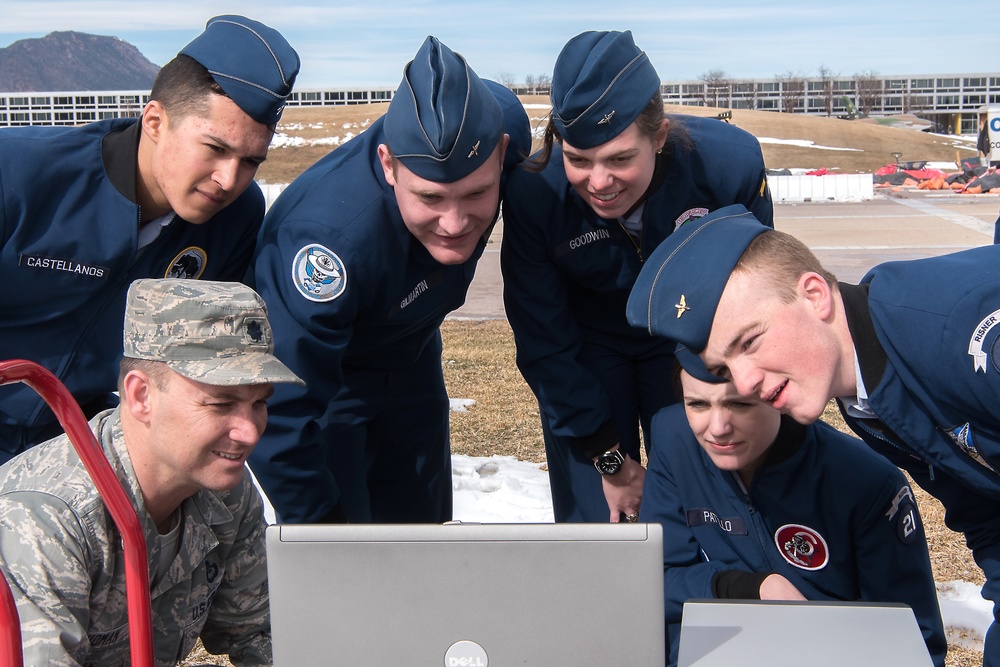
point(367, 43)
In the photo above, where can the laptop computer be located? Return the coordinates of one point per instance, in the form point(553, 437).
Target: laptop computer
point(466, 595)
point(717, 633)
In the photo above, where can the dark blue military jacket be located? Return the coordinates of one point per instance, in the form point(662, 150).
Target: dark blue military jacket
point(347, 287)
point(568, 273)
point(928, 345)
point(832, 517)
point(68, 251)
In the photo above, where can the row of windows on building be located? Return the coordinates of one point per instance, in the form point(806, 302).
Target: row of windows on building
point(846, 85)
point(947, 94)
point(75, 108)
point(952, 102)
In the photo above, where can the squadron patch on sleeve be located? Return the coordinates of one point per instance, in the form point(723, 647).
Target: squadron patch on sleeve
point(189, 263)
point(983, 338)
point(903, 510)
point(318, 273)
point(802, 546)
point(688, 215)
point(964, 436)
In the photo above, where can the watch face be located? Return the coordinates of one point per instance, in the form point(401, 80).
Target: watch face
point(609, 463)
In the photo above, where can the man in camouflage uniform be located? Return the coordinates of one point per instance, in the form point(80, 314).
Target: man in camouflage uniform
point(197, 372)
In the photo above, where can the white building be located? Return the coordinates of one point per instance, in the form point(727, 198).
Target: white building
point(950, 100)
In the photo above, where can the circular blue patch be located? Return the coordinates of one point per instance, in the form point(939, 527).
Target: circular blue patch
point(318, 273)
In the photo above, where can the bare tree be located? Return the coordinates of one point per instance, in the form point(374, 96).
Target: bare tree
point(530, 85)
point(544, 82)
point(869, 92)
point(793, 88)
point(743, 94)
point(716, 88)
point(913, 103)
point(826, 76)
point(505, 79)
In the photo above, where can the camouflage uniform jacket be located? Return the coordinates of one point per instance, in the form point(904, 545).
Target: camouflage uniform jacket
point(64, 560)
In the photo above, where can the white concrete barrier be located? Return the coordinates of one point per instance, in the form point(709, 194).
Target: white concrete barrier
point(831, 187)
point(271, 192)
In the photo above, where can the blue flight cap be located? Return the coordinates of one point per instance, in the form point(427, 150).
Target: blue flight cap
point(694, 366)
point(443, 122)
point(252, 63)
point(679, 287)
point(515, 124)
point(600, 85)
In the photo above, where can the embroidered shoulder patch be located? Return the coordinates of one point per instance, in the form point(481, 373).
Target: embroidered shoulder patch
point(981, 338)
point(688, 215)
point(963, 436)
point(189, 263)
point(318, 273)
point(903, 510)
point(802, 546)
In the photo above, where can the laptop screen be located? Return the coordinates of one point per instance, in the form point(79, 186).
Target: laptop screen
point(723, 633)
point(466, 595)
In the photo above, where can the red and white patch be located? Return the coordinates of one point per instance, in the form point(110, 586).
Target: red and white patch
point(802, 546)
point(688, 215)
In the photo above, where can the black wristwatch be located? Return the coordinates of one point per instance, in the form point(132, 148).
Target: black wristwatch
point(609, 462)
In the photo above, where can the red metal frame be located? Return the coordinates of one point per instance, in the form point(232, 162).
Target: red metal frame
point(11, 654)
point(134, 542)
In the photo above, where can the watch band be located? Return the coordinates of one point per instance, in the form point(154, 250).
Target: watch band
point(610, 462)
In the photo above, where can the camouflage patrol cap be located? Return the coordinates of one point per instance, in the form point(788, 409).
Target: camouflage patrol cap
point(212, 332)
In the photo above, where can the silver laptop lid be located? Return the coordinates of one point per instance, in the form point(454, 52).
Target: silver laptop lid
point(717, 633)
point(466, 595)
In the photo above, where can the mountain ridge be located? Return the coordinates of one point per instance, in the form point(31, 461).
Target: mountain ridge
point(74, 61)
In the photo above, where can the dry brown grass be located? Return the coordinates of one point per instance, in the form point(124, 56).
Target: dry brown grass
point(479, 364)
point(283, 164)
point(873, 143)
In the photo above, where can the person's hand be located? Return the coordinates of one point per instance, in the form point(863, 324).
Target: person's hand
point(623, 490)
point(776, 587)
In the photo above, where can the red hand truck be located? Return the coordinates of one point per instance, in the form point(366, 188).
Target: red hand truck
point(122, 512)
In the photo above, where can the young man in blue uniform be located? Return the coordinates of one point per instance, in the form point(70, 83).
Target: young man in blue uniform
point(910, 354)
point(359, 261)
point(743, 495)
point(84, 211)
point(614, 179)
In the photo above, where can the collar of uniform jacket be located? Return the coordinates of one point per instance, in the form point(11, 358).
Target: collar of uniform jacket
point(120, 150)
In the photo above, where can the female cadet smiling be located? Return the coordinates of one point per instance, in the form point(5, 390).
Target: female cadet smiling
point(614, 178)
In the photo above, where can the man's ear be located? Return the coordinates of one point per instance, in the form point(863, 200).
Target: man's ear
point(817, 293)
point(154, 119)
point(385, 157)
point(136, 395)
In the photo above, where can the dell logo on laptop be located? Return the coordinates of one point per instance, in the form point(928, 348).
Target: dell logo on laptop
point(466, 654)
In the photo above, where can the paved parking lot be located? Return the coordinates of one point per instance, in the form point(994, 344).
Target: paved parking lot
point(849, 238)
